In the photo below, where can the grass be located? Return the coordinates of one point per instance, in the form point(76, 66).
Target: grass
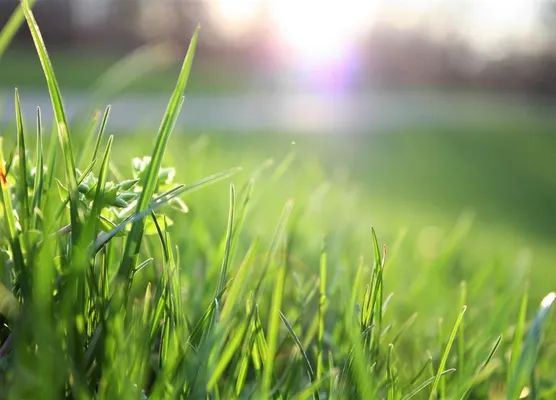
point(274, 286)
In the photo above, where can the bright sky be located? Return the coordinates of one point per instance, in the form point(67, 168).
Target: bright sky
point(319, 29)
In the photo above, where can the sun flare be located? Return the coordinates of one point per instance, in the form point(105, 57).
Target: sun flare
point(320, 31)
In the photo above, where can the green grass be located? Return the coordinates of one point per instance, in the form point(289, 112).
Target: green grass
point(269, 282)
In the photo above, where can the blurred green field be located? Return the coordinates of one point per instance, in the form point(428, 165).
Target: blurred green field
point(420, 181)
point(80, 70)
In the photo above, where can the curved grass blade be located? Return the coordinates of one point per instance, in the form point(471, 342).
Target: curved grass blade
point(390, 374)
point(530, 349)
point(322, 307)
point(482, 367)
point(299, 345)
point(133, 241)
point(227, 355)
point(99, 135)
point(518, 333)
point(273, 329)
point(229, 238)
point(444, 358)
point(12, 26)
point(426, 383)
point(59, 113)
point(98, 202)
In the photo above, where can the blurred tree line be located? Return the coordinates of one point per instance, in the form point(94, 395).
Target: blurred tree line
point(392, 57)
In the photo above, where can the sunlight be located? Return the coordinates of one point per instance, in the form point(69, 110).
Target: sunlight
point(237, 16)
point(320, 31)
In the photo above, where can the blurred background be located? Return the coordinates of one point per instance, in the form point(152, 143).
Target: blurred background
point(424, 108)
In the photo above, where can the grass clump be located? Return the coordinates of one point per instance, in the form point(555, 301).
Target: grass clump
point(103, 295)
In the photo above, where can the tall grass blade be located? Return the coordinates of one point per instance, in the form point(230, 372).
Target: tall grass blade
point(59, 114)
point(519, 333)
point(299, 345)
point(148, 183)
point(229, 238)
point(446, 353)
point(23, 185)
point(273, 329)
point(426, 383)
point(530, 349)
point(38, 184)
point(322, 308)
point(482, 367)
point(12, 26)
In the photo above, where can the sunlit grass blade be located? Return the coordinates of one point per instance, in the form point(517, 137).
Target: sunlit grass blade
point(426, 383)
point(519, 332)
point(38, 184)
point(421, 371)
point(404, 328)
point(276, 240)
point(99, 201)
point(237, 285)
point(482, 367)
point(530, 349)
point(446, 353)
point(226, 356)
point(390, 375)
point(273, 328)
point(148, 183)
point(59, 114)
point(322, 308)
point(461, 333)
point(23, 185)
point(12, 26)
point(99, 136)
point(229, 238)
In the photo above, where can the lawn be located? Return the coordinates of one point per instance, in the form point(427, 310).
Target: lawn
point(269, 282)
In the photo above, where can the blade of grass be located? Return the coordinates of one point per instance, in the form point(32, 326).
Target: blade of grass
point(519, 332)
point(530, 350)
point(59, 113)
point(426, 383)
point(229, 237)
point(99, 136)
point(482, 367)
point(12, 26)
point(444, 358)
point(39, 174)
point(23, 193)
point(299, 345)
point(98, 201)
point(273, 329)
point(461, 332)
point(133, 241)
point(322, 308)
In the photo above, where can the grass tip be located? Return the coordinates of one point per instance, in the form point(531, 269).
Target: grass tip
point(548, 300)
